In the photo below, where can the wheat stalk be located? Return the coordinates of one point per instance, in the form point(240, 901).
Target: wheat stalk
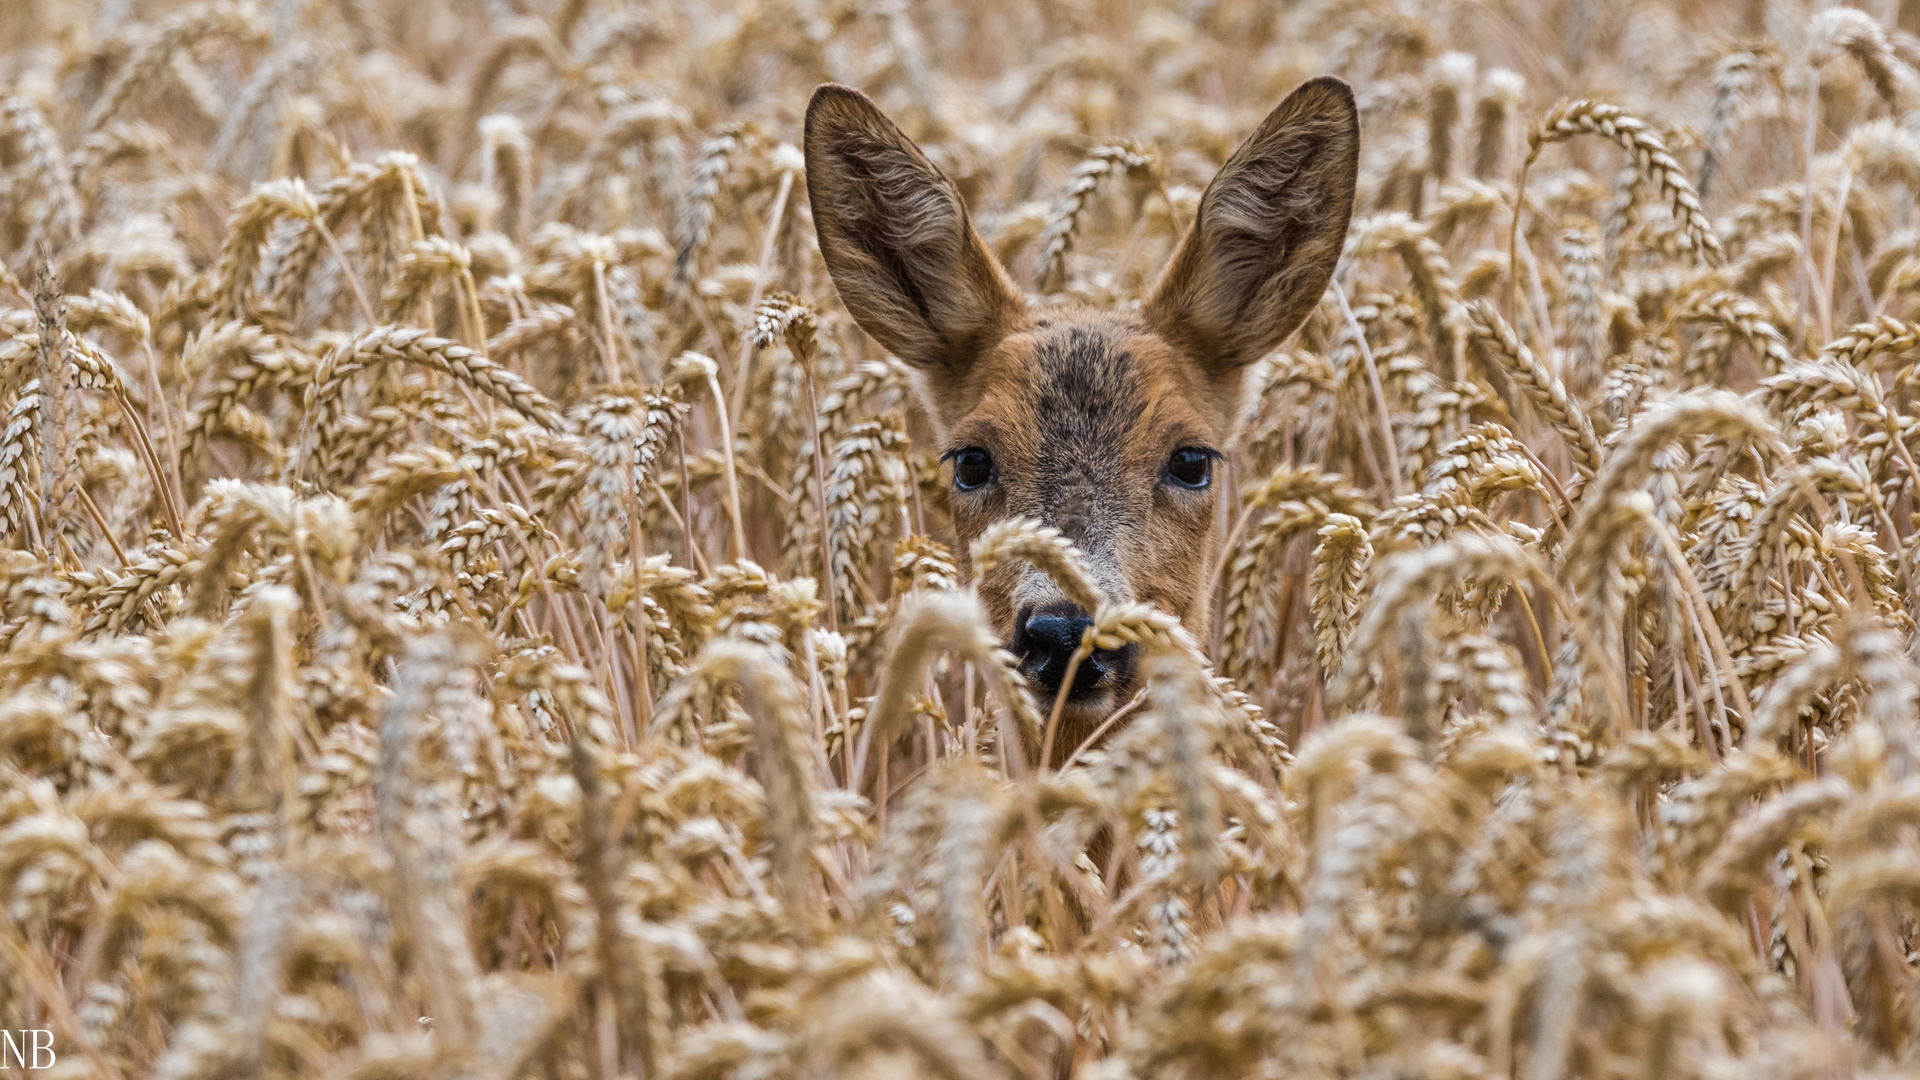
point(391, 344)
point(1846, 30)
point(1733, 77)
point(1064, 220)
point(53, 207)
point(1042, 546)
point(1541, 386)
point(1651, 160)
point(1339, 565)
point(711, 165)
point(431, 737)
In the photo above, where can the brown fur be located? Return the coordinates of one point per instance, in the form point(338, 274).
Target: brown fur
point(1081, 409)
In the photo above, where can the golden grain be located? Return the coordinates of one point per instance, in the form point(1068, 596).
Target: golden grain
point(472, 602)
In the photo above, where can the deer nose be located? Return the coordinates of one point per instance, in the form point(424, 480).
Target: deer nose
point(1045, 642)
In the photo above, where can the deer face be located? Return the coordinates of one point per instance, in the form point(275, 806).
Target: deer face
point(1105, 425)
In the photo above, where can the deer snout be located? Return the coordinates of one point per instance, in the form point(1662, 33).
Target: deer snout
point(1045, 640)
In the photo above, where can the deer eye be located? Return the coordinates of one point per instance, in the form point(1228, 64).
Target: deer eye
point(1191, 466)
point(972, 468)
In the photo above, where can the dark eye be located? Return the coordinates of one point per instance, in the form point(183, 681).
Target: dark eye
point(1191, 466)
point(972, 468)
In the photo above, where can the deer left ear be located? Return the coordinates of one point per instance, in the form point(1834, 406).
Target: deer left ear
point(1268, 233)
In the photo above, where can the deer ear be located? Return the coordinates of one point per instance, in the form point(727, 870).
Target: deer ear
point(1268, 233)
point(897, 240)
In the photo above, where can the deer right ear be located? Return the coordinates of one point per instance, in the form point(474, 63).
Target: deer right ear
point(897, 239)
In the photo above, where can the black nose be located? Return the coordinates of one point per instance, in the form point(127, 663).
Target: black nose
point(1045, 642)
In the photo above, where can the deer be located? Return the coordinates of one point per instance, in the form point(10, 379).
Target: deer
point(1108, 425)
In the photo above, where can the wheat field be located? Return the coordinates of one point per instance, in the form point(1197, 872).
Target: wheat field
point(472, 603)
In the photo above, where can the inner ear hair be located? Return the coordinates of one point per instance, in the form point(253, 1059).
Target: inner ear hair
point(1268, 233)
point(897, 239)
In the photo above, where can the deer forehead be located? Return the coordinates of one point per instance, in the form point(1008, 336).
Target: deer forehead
point(1091, 400)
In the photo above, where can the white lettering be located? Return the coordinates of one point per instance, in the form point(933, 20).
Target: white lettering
point(42, 1044)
